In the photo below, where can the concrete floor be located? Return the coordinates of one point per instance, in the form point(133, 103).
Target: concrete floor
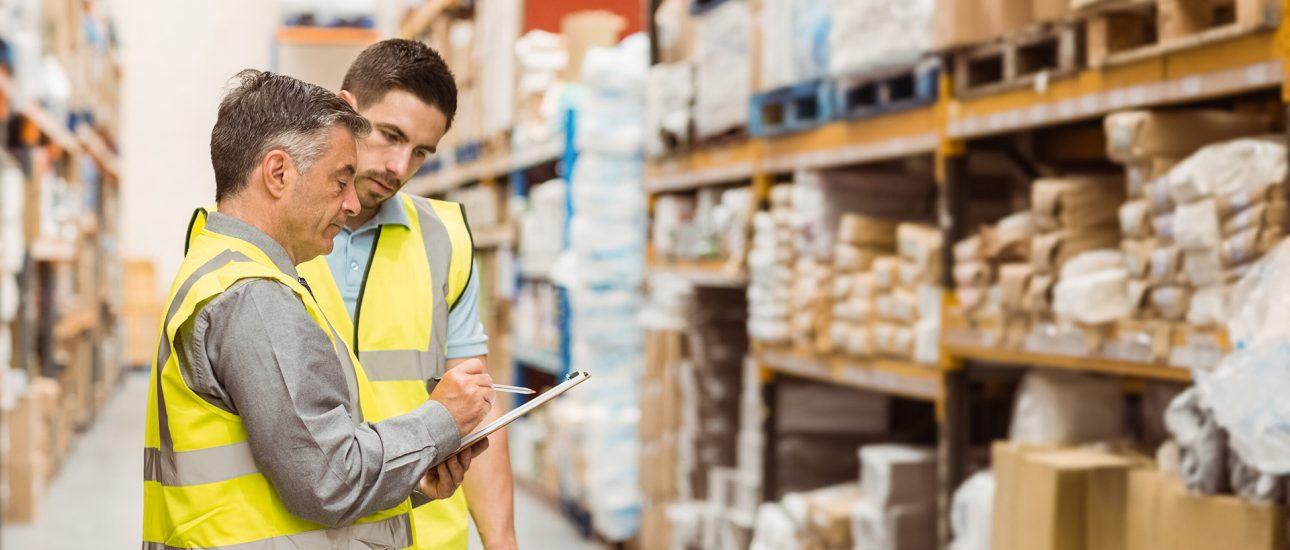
point(96, 499)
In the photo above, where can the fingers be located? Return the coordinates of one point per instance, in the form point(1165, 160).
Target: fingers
point(478, 448)
point(445, 485)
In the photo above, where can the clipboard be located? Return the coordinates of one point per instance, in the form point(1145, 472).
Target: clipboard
point(574, 378)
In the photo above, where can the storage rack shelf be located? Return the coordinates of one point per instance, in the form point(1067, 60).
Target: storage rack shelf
point(886, 376)
point(963, 349)
point(701, 273)
point(490, 165)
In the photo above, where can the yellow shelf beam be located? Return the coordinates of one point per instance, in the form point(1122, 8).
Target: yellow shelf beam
point(1103, 365)
point(886, 376)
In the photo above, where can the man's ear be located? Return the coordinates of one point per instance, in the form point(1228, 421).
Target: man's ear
point(277, 167)
point(349, 98)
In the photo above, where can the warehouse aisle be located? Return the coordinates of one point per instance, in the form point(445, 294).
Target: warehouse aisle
point(96, 498)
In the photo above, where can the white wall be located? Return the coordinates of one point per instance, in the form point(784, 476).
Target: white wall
point(177, 57)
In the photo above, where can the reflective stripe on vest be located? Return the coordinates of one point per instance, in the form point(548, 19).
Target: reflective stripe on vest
point(204, 490)
point(397, 529)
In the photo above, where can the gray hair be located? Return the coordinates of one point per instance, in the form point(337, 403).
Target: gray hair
point(264, 111)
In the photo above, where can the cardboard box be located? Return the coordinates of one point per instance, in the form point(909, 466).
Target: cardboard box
point(27, 462)
point(867, 231)
point(828, 516)
point(1062, 499)
point(848, 258)
point(1162, 515)
point(1171, 303)
point(1137, 256)
point(898, 475)
point(1050, 10)
point(900, 528)
point(1002, 18)
point(1136, 135)
point(1076, 202)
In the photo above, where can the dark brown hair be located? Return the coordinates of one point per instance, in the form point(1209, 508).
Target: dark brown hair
point(398, 64)
point(265, 111)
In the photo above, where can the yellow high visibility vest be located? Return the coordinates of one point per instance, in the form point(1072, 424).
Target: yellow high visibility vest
point(202, 488)
point(414, 277)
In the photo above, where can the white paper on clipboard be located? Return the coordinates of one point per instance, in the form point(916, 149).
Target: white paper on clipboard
point(574, 379)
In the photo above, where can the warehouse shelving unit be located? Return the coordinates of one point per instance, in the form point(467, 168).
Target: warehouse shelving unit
point(1219, 66)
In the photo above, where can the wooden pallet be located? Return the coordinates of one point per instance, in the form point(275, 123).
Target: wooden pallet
point(888, 91)
point(791, 109)
point(1127, 31)
point(1050, 50)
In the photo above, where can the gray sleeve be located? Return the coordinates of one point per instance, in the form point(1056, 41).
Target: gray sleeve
point(283, 378)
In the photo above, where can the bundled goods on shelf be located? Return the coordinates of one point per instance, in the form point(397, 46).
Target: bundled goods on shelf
point(670, 93)
point(535, 323)
point(542, 56)
point(541, 227)
point(1186, 238)
point(870, 35)
point(723, 70)
point(960, 23)
point(603, 275)
point(861, 242)
point(712, 225)
point(794, 36)
point(811, 306)
point(992, 277)
point(770, 269)
point(496, 36)
point(847, 268)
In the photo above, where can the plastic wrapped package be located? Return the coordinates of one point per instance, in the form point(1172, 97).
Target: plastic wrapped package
point(1067, 408)
point(871, 35)
point(1096, 298)
point(1009, 239)
point(1196, 225)
point(1091, 262)
point(496, 43)
point(1228, 168)
point(723, 74)
point(927, 341)
point(1203, 445)
point(618, 128)
point(1137, 135)
point(895, 475)
point(668, 97)
point(794, 41)
point(972, 512)
point(1076, 201)
point(1135, 219)
point(1263, 214)
point(1208, 306)
point(1253, 485)
point(776, 528)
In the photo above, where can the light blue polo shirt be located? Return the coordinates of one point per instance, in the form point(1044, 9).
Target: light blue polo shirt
point(348, 261)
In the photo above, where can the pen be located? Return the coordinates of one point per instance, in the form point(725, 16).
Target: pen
point(503, 388)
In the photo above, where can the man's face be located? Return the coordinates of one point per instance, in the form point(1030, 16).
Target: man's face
point(405, 132)
point(322, 198)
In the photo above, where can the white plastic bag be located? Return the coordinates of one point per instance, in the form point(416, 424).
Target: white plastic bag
point(1067, 408)
point(972, 512)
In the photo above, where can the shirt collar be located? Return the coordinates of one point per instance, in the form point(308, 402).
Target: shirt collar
point(391, 212)
point(238, 229)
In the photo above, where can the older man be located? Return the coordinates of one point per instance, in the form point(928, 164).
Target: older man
point(263, 430)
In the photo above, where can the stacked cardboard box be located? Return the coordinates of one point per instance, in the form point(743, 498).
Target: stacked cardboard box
point(660, 403)
point(1161, 514)
point(770, 269)
point(817, 428)
point(897, 505)
point(1059, 499)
